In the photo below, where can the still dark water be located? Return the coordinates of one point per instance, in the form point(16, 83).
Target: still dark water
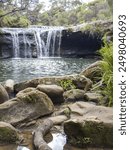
point(28, 68)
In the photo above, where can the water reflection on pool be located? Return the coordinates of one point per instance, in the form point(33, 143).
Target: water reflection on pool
point(27, 68)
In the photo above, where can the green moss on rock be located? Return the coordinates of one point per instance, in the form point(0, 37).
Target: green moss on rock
point(8, 134)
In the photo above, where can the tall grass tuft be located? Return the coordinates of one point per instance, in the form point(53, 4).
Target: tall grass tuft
point(106, 53)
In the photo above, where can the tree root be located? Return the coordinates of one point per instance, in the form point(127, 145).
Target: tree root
point(43, 129)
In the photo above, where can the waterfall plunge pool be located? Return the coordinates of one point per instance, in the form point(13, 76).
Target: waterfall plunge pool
point(21, 69)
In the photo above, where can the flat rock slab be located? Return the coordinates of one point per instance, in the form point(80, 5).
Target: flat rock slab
point(85, 109)
point(26, 107)
point(55, 92)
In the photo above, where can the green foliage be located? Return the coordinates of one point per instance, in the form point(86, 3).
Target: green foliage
point(59, 13)
point(20, 22)
point(107, 71)
point(110, 2)
point(99, 27)
point(67, 84)
point(13, 21)
point(64, 13)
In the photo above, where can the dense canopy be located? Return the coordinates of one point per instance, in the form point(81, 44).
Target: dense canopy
point(21, 13)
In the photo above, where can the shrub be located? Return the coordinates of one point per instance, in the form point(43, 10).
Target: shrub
point(107, 71)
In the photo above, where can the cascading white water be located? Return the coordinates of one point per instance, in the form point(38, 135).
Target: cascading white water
point(15, 39)
point(27, 46)
point(39, 41)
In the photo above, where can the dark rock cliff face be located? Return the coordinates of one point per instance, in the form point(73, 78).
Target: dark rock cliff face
point(80, 44)
point(74, 43)
point(6, 46)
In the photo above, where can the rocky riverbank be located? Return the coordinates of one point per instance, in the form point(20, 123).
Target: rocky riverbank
point(66, 103)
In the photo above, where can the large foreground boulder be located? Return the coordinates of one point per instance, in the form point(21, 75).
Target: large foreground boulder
point(26, 107)
point(79, 81)
point(3, 94)
point(55, 92)
point(90, 125)
point(8, 134)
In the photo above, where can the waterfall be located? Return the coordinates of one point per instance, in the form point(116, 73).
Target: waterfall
point(35, 41)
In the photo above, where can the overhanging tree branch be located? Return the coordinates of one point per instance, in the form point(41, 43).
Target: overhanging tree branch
point(13, 11)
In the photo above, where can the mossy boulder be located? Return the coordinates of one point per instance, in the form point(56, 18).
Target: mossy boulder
point(74, 95)
point(8, 134)
point(26, 107)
